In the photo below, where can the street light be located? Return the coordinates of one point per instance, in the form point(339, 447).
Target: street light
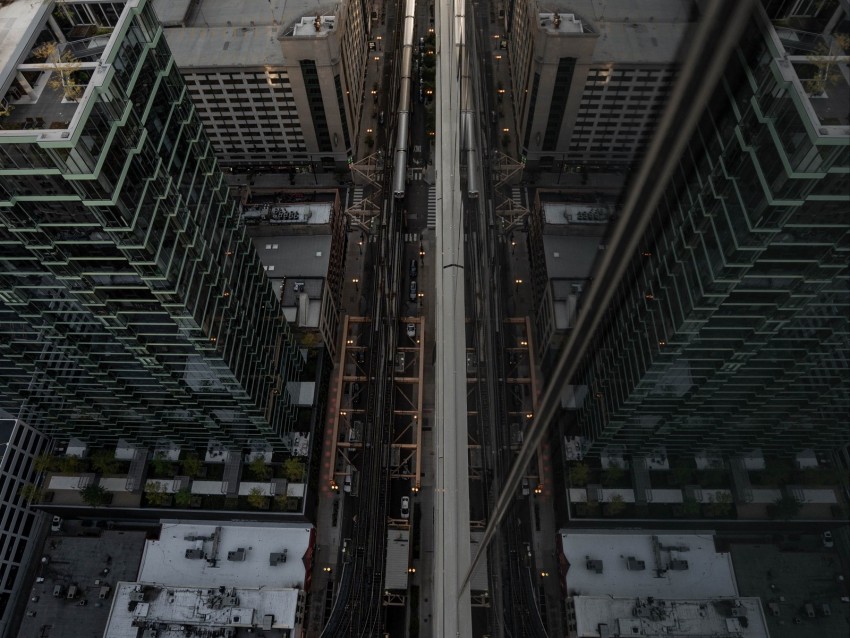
point(356, 281)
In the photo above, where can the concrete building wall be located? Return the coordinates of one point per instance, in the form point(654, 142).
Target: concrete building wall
point(17, 521)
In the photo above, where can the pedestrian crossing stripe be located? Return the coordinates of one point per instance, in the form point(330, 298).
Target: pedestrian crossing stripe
point(516, 196)
point(412, 237)
point(431, 220)
point(356, 196)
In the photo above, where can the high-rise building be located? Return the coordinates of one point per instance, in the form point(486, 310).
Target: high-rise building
point(590, 80)
point(275, 85)
point(19, 447)
point(731, 329)
point(132, 304)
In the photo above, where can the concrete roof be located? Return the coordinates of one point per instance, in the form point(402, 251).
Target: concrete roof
point(294, 256)
point(570, 256)
point(650, 31)
point(698, 618)
point(164, 561)
point(709, 573)
point(18, 22)
point(222, 33)
point(596, 11)
point(81, 561)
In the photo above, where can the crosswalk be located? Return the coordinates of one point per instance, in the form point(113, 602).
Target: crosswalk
point(356, 196)
point(516, 196)
point(412, 237)
point(416, 174)
point(431, 221)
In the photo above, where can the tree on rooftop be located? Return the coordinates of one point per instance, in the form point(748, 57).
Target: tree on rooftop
point(825, 58)
point(63, 65)
point(95, 495)
point(257, 499)
point(104, 461)
point(183, 498)
point(785, 507)
point(156, 494)
point(45, 462)
point(32, 493)
point(259, 468)
point(192, 465)
point(616, 506)
point(293, 470)
point(579, 474)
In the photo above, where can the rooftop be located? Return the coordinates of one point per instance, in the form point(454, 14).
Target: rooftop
point(788, 571)
point(287, 213)
point(294, 256)
point(248, 555)
point(660, 565)
point(570, 256)
point(649, 31)
point(19, 22)
point(44, 88)
point(216, 33)
point(721, 618)
point(90, 559)
point(171, 610)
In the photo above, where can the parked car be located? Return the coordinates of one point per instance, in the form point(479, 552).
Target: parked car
point(405, 507)
point(412, 295)
point(56, 524)
point(411, 330)
point(827, 539)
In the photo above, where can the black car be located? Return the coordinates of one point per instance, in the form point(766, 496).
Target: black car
point(413, 269)
point(355, 393)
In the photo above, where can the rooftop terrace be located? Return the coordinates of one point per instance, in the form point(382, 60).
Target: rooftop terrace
point(49, 60)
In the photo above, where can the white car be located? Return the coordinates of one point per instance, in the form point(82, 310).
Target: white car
point(411, 330)
point(827, 539)
point(405, 507)
point(56, 524)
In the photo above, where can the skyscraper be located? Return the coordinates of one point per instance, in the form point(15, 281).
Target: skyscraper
point(731, 329)
point(131, 302)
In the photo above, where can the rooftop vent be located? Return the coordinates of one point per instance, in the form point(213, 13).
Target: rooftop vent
point(635, 565)
point(678, 565)
point(277, 558)
point(194, 554)
point(594, 566)
point(238, 555)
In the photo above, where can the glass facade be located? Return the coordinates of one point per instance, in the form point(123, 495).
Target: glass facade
point(731, 329)
point(132, 304)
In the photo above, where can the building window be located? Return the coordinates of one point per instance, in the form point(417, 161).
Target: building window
point(560, 94)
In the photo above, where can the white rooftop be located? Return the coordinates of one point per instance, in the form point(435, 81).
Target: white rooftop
point(172, 609)
point(19, 21)
point(707, 573)
point(290, 213)
point(219, 561)
point(720, 618)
